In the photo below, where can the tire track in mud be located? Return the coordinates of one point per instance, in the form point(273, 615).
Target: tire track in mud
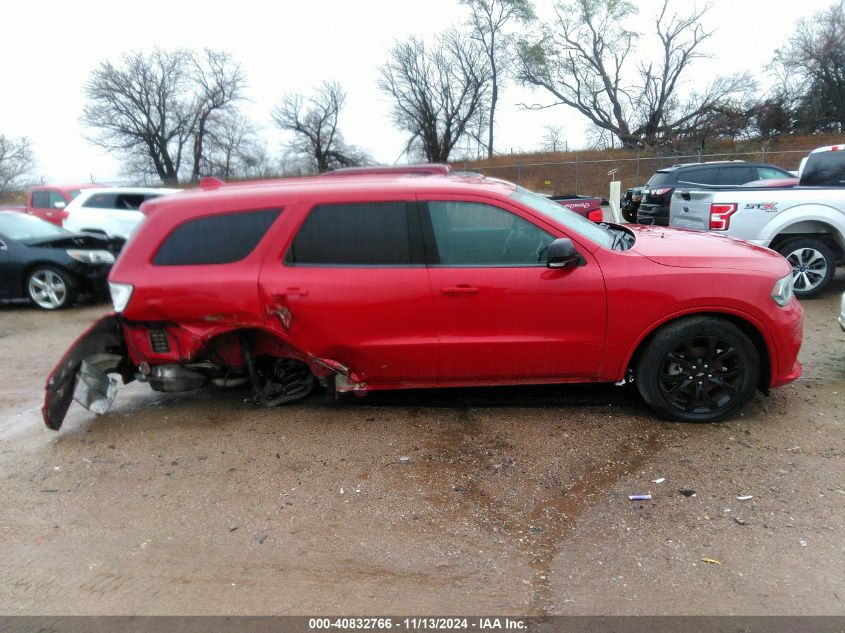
point(557, 515)
point(520, 486)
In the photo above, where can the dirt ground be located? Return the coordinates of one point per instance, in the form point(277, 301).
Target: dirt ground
point(507, 501)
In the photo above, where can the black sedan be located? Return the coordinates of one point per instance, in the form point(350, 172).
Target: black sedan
point(47, 264)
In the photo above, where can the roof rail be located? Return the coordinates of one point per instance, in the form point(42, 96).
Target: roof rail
point(390, 170)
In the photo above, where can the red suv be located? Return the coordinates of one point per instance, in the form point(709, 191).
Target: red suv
point(376, 279)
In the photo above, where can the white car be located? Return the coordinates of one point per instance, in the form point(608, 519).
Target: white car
point(111, 210)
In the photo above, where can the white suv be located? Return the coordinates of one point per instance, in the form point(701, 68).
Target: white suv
point(112, 210)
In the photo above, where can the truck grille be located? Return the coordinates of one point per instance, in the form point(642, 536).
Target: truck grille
point(159, 341)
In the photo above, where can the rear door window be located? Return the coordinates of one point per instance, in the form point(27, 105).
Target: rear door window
point(357, 234)
point(735, 175)
point(129, 201)
point(770, 173)
point(215, 239)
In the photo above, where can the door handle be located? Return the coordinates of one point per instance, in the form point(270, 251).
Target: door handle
point(460, 289)
point(290, 292)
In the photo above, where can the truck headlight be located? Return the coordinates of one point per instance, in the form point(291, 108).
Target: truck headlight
point(91, 257)
point(120, 295)
point(782, 291)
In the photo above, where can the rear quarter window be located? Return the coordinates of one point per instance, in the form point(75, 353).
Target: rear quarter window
point(659, 178)
point(217, 239)
point(705, 176)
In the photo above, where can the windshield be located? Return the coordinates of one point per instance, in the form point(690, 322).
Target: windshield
point(18, 226)
point(564, 216)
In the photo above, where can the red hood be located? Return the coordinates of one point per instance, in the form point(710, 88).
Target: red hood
point(695, 249)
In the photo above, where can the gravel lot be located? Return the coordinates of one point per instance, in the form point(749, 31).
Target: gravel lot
point(509, 501)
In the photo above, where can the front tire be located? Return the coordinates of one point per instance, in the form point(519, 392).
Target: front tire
point(51, 288)
point(700, 369)
point(813, 265)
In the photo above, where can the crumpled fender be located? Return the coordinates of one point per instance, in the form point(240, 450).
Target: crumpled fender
point(103, 337)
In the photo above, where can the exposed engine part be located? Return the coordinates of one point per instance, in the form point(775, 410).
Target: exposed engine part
point(230, 381)
point(94, 388)
point(174, 378)
point(290, 380)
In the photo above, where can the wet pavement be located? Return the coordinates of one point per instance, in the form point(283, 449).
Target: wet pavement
point(509, 501)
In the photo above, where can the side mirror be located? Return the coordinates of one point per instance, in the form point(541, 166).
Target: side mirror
point(59, 205)
point(562, 254)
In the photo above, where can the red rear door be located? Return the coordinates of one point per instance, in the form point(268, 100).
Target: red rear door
point(351, 286)
point(501, 314)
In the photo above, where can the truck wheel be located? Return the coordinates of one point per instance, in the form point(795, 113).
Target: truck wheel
point(699, 369)
point(51, 288)
point(813, 265)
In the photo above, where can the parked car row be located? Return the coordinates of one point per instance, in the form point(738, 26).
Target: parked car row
point(63, 242)
point(371, 279)
point(805, 223)
point(657, 192)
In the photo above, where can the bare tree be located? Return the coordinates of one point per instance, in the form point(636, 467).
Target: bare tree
point(437, 92)
point(219, 82)
point(553, 139)
point(145, 106)
point(583, 64)
point(811, 68)
point(233, 148)
point(17, 160)
point(489, 20)
point(314, 123)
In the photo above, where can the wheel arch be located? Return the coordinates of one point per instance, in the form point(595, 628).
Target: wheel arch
point(228, 344)
point(818, 228)
point(745, 323)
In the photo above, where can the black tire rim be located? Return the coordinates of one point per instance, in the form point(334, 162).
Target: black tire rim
point(701, 375)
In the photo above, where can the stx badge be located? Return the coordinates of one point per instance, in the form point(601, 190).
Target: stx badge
point(768, 207)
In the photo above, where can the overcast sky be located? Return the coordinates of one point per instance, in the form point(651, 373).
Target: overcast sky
point(49, 48)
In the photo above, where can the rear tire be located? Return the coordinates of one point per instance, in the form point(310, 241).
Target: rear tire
point(699, 369)
point(813, 265)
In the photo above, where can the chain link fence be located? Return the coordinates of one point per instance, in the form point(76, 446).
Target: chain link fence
point(591, 176)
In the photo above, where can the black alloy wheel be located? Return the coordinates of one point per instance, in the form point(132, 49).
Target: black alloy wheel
point(701, 369)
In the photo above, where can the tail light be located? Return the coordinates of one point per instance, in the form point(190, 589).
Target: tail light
point(659, 192)
point(63, 216)
point(720, 216)
point(597, 215)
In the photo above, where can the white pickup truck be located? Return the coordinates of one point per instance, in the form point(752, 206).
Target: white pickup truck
point(805, 223)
